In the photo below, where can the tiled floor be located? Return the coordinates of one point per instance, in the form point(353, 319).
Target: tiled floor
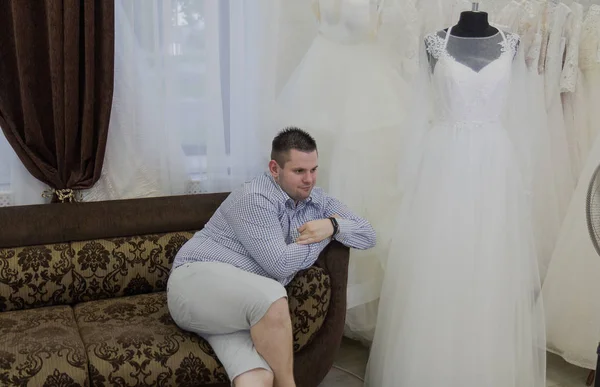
point(352, 358)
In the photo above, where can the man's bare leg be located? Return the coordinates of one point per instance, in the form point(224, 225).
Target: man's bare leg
point(259, 377)
point(272, 337)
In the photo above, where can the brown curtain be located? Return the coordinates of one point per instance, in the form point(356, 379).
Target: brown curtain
point(56, 87)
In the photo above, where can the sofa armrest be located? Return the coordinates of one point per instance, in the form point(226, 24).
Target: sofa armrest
point(313, 362)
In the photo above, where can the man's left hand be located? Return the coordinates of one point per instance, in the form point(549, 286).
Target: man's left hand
point(315, 231)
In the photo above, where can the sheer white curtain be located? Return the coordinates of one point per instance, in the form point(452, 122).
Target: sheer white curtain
point(5, 175)
point(17, 186)
point(194, 85)
point(191, 90)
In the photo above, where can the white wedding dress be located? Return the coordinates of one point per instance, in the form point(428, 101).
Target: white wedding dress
point(553, 51)
point(460, 303)
point(571, 287)
point(350, 95)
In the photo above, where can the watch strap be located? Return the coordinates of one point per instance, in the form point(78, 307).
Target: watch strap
point(336, 226)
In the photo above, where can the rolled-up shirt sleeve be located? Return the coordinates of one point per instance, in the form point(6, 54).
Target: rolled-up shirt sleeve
point(355, 232)
point(255, 221)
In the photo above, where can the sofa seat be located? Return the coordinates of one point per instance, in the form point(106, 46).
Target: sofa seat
point(64, 267)
point(133, 340)
point(41, 347)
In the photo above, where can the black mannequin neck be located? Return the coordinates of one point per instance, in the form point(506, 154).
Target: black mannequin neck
point(473, 25)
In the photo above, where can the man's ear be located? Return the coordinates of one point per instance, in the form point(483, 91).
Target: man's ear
point(274, 168)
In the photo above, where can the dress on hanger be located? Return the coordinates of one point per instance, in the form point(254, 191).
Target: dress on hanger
point(350, 95)
point(572, 91)
point(553, 49)
point(589, 62)
point(460, 302)
point(571, 286)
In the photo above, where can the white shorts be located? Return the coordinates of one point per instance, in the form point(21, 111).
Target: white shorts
point(220, 303)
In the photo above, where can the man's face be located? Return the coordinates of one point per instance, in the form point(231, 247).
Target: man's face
point(298, 175)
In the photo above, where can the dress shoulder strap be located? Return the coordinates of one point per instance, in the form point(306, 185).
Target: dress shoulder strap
point(447, 37)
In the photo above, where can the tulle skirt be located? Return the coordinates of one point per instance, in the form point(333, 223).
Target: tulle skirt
point(546, 190)
point(576, 113)
point(571, 286)
point(351, 98)
point(460, 303)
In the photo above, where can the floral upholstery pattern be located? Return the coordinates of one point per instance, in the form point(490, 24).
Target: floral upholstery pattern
point(133, 341)
point(41, 347)
point(120, 331)
point(35, 276)
point(309, 294)
point(116, 267)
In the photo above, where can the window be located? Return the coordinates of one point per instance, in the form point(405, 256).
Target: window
point(189, 86)
point(6, 154)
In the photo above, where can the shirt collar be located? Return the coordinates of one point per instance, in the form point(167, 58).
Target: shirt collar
point(315, 195)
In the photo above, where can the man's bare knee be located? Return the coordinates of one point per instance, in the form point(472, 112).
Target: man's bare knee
point(258, 377)
point(278, 314)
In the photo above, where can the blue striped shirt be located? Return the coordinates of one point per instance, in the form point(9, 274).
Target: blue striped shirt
point(255, 229)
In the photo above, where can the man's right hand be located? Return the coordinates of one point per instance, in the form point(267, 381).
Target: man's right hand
point(314, 231)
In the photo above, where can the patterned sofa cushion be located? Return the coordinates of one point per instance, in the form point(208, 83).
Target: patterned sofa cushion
point(115, 267)
point(35, 276)
point(309, 294)
point(133, 341)
point(41, 347)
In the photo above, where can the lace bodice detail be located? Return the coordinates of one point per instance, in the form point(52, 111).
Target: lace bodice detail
point(589, 50)
point(348, 21)
point(568, 78)
point(467, 92)
point(510, 44)
point(436, 44)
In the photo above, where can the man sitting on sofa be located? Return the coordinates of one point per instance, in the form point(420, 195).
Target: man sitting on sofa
point(227, 283)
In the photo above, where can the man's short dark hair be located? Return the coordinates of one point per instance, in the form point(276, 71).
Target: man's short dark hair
point(288, 139)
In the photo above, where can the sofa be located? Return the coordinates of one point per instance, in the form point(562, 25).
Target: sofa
point(83, 303)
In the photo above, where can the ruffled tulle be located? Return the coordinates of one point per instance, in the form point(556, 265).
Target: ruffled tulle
point(459, 302)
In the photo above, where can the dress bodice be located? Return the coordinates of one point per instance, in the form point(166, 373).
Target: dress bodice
point(348, 21)
point(589, 49)
point(471, 76)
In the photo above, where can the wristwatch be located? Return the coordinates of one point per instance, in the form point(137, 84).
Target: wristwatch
point(336, 226)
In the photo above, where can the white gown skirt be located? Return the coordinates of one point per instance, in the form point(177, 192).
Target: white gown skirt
point(571, 287)
point(460, 303)
point(351, 98)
